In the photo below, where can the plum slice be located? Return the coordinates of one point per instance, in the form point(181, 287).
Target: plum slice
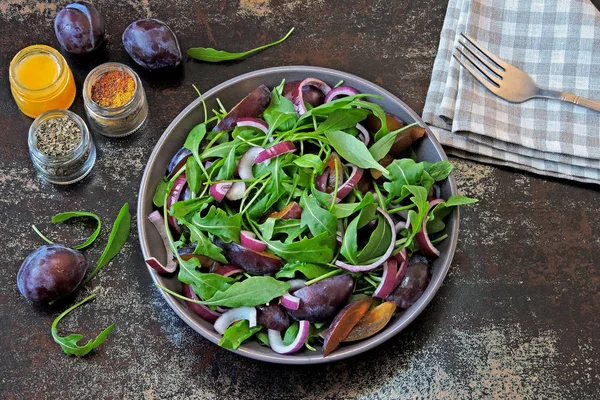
point(256, 262)
point(251, 106)
point(343, 323)
point(322, 300)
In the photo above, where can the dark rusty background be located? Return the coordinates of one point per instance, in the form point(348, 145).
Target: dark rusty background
point(517, 317)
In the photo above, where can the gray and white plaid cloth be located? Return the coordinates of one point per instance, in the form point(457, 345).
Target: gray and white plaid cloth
point(557, 42)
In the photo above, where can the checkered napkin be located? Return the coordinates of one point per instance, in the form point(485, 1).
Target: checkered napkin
point(557, 42)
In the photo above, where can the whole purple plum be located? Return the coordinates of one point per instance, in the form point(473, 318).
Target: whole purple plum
point(51, 272)
point(152, 44)
point(79, 28)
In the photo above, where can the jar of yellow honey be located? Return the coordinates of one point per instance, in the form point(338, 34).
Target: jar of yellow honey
point(41, 80)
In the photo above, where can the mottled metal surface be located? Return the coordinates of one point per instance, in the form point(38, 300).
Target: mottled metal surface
point(516, 318)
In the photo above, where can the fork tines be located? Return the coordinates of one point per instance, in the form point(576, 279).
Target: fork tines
point(487, 68)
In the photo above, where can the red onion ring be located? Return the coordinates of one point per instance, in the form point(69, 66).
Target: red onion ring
point(402, 259)
point(157, 220)
point(254, 123)
point(237, 191)
point(296, 284)
point(233, 315)
point(289, 301)
point(297, 98)
point(340, 91)
point(388, 280)
point(274, 151)
point(173, 198)
point(201, 310)
point(247, 161)
point(425, 245)
point(277, 344)
point(365, 136)
point(350, 183)
point(382, 259)
point(219, 190)
point(248, 240)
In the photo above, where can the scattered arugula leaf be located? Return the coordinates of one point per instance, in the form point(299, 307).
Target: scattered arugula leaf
point(382, 147)
point(435, 223)
point(205, 285)
point(117, 238)
point(204, 245)
point(316, 218)
point(439, 170)
point(319, 249)
point(354, 151)
point(212, 55)
point(69, 343)
point(219, 223)
point(62, 217)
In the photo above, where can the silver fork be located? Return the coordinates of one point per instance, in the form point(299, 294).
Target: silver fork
point(505, 80)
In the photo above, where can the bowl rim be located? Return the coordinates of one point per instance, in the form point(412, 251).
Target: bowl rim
point(409, 315)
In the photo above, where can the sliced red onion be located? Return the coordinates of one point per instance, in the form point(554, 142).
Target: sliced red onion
point(277, 344)
point(425, 245)
point(402, 259)
point(248, 240)
point(228, 270)
point(275, 150)
point(340, 91)
point(157, 220)
point(207, 164)
point(364, 135)
point(254, 123)
point(236, 191)
point(173, 198)
point(350, 183)
point(201, 310)
point(247, 161)
point(297, 98)
point(382, 259)
point(219, 190)
point(296, 284)
point(388, 280)
point(233, 315)
point(289, 301)
point(321, 181)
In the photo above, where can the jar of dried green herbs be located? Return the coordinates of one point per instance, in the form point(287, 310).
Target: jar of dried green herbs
point(61, 147)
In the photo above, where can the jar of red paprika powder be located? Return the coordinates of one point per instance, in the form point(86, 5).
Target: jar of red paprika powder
point(114, 100)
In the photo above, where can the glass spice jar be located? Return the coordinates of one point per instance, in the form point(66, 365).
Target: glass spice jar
point(114, 100)
point(61, 147)
point(41, 80)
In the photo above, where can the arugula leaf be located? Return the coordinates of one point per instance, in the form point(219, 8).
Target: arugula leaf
point(186, 207)
point(317, 218)
point(204, 246)
point(263, 337)
point(250, 292)
point(342, 119)
point(236, 334)
point(290, 333)
point(160, 193)
point(309, 270)
point(280, 114)
point(378, 112)
point(382, 147)
point(62, 217)
point(439, 170)
point(69, 343)
point(193, 140)
point(219, 223)
point(344, 210)
point(328, 108)
point(228, 168)
point(205, 285)
point(349, 247)
point(440, 211)
point(193, 174)
point(419, 198)
point(212, 55)
point(309, 161)
point(404, 172)
point(117, 238)
point(273, 226)
point(378, 243)
point(319, 249)
point(353, 150)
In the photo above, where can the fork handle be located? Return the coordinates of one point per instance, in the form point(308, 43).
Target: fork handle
point(580, 101)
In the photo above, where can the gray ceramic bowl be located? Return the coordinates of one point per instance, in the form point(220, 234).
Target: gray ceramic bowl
point(230, 93)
